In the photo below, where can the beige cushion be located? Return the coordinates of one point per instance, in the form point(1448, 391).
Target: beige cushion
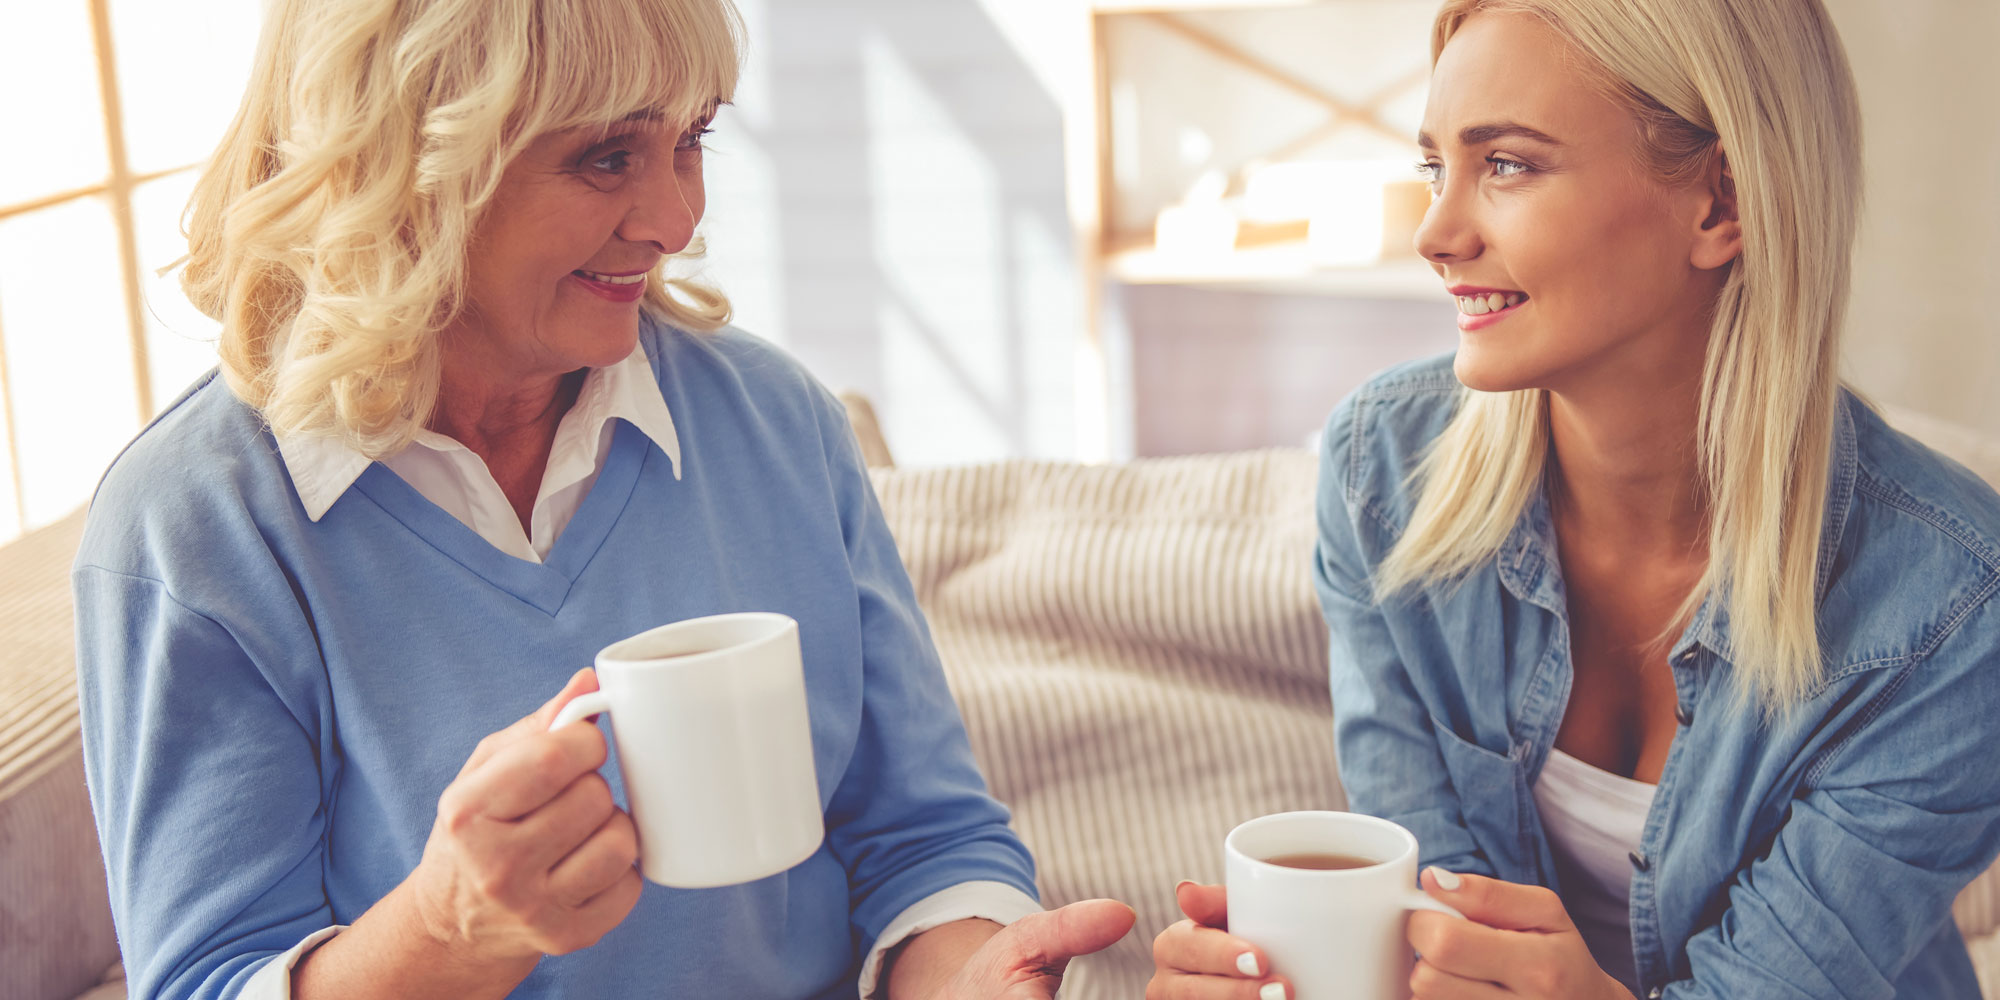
point(867, 431)
point(55, 918)
point(1140, 660)
point(111, 987)
point(1985, 951)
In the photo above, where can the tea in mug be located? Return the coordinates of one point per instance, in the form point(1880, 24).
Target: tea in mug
point(1317, 861)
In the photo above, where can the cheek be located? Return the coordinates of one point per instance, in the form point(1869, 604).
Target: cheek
point(1600, 267)
point(695, 192)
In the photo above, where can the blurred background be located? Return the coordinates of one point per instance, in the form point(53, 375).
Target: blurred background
point(1049, 228)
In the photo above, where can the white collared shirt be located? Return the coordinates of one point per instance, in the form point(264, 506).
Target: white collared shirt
point(451, 476)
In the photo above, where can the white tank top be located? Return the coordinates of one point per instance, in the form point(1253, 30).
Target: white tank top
point(1593, 819)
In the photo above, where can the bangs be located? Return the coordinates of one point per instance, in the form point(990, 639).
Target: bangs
point(598, 62)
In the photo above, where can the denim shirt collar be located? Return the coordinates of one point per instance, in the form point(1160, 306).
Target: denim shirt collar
point(1531, 570)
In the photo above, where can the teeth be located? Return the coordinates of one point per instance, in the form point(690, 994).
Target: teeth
point(610, 279)
point(1480, 305)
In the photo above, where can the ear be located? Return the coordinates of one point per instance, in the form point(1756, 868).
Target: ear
point(1719, 238)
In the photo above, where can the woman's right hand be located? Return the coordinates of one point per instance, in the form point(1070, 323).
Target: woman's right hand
point(1196, 959)
point(529, 856)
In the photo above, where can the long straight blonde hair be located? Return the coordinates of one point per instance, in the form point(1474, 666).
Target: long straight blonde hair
point(329, 231)
point(1766, 84)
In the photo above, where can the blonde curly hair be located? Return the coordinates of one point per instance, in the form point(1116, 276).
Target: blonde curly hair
point(329, 233)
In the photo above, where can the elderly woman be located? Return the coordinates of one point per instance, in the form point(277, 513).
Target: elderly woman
point(466, 433)
point(1680, 663)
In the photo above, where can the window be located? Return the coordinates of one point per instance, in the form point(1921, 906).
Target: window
point(111, 106)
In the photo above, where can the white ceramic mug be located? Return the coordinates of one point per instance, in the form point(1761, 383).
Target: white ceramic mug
point(709, 718)
point(1335, 934)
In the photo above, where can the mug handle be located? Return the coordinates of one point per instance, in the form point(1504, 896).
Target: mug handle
point(1417, 899)
point(589, 703)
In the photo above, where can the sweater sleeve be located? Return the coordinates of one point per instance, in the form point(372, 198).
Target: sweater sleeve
point(207, 790)
point(911, 816)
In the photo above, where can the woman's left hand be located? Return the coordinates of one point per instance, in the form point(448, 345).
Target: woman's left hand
point(1516, 940)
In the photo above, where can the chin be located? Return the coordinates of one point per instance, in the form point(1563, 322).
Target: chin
point(602, 346)
point(1484, 368)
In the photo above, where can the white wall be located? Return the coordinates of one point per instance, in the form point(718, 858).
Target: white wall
point(1924, 328)
point(886, 199)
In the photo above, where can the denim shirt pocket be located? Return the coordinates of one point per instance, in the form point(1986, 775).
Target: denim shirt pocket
point(1492, 790)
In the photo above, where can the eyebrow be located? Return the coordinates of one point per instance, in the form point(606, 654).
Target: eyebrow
point(1474, 135)
point(654, 114)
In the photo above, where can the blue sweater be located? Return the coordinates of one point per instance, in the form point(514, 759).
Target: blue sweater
point(271, 706)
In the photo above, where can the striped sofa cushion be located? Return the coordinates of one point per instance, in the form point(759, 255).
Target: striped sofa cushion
point(1140, 660)
point(55, 916)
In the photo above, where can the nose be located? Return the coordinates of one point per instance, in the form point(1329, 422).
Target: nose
point(666, 205)
point(1449, 232)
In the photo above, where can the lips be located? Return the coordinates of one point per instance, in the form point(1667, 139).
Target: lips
point(614, 287)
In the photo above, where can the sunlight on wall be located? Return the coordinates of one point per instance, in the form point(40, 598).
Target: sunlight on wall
point(742, 223)
point(951, 376)
point(742, 227)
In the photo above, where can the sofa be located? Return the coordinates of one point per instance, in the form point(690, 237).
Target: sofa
point(1136, 649)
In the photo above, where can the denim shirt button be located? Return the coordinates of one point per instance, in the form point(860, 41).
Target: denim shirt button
point(1639, 861)
point(1654, 993)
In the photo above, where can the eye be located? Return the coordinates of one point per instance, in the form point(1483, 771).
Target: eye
point(691, 141)
point(1508, 168)
point(617, 163)
point(1430, 171)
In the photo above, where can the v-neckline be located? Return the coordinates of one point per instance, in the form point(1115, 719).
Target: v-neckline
point(544, 585)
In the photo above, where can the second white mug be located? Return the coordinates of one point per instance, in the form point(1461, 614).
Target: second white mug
point(715, 747)
point(1335, 934)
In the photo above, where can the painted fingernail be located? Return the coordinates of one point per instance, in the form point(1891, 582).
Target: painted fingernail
point(1272, 991)
point(1246, 963)
point(1447, 881)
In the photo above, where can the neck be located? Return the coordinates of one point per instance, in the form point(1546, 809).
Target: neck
point(496, 411)
point(1627, 466)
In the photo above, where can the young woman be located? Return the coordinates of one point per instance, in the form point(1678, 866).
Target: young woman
point(1680, 664)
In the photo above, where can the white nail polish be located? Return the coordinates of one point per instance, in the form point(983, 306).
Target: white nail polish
point(1272, 991)
point(1246, 963)
point(1447, 881)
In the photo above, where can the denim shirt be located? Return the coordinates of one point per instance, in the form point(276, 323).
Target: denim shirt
point(1814, 854)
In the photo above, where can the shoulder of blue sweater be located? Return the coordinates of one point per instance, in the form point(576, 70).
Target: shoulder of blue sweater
point(746, 354)
point(196, 471)
point(735, 361)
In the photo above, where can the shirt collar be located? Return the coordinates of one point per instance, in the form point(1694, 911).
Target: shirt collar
point(323, 468)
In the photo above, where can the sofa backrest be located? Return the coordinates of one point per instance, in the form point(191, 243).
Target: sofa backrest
point(1139, 658)
point(55, 916)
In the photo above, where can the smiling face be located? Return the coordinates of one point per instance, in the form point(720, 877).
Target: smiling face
point(1572, 262)
point(563, 252)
